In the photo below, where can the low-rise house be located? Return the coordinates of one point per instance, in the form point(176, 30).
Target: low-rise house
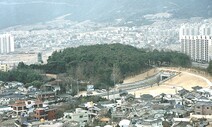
point(129, 97)
point(107, 104)
point(146, 97)
point(196, 88)
point(203, 108)
point(4, 101)
point(15, 84)
point(124, 123)
point(182, 92)
point(207, 92)
point(71, 124)
point(5, 109)
point(94, 109)
point(174, 99)
point(22, 106)
point(193, 121)
point(52, 86)
point(8, 86)
point(49, 95)
point(149, 123)
point(45, 113)
point(126, 107)
point(105, 120)
point(22, 89)
point(80, 115)
point(31, 89)
point(42, 123)
point(189, 96)
point(4, 67)
point(108, 126)
point(182, 124)
point(180, 113)
point(162, 106)
point(1, 86)
point(119, 114)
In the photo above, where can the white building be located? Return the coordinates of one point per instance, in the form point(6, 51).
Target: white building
point(196, 41)
point(124, 123)
point(195, 29)
point(80, 115)
point(6, 43)
point(198, 47)
point(4, 67)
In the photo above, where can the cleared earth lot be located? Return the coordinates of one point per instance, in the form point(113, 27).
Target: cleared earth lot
point(186, 79)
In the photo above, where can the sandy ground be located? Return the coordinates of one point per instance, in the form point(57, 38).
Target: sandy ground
point(15, 58)
point(141, 76)
point(187, 79)
point(26, 58)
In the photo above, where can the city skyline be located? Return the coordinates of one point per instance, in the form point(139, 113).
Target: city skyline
point(6, 43)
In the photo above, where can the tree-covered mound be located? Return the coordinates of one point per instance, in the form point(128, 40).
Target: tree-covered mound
point(109, 63)
point(209, 69)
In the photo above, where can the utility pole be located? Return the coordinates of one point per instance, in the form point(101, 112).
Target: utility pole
point(77, 87)
point(108, 92)
point(71, 87)
point(114, 82)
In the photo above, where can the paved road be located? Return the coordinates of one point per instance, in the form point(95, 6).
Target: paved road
point(153, 80)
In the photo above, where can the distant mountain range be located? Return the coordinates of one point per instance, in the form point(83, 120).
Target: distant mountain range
point(21, 12)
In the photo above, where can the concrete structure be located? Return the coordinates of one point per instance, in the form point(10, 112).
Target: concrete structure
point(196, 29)
point(199, 48)
point(203, 108)
point(196, 41)
point(46, 114)
point(124, 123)
point(6, 43)
point(22, 106)
point(4, 67)
point(80, 115)
point(49, 95)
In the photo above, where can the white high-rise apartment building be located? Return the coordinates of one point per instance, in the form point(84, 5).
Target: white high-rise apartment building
point(198, 47)
point(6, 43)
point(196, 41)
point(196, 29)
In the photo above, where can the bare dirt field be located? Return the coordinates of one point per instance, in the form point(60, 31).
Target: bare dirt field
point(27, 58)
point(187, 79)
point(15, 58)
point(141, 76)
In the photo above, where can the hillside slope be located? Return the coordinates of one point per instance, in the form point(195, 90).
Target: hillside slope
point(20, 12)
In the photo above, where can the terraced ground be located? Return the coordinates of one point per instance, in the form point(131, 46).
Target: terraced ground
point(187, 79)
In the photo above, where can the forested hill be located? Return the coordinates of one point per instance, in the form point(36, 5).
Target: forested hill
point(102, 64)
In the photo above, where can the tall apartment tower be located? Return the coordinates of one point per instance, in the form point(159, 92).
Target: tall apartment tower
point(198, 47)
point(196, 41)
point(6, 43)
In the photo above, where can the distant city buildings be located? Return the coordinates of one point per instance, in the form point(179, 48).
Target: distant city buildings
point(196, 29)
point(6, 43)
point(196, 41)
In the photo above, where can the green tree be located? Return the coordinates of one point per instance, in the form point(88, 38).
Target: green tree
point(104, 65)
point(35, 83)
point(209, 68)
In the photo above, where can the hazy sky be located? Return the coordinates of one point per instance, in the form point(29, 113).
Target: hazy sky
point(18, 12)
